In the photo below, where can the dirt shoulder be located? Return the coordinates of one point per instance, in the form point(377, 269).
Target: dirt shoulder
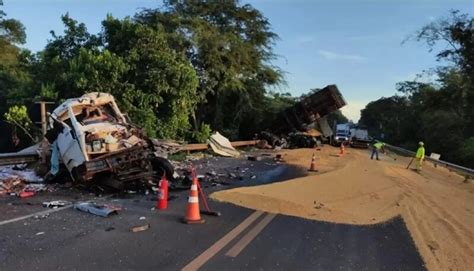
point(436, 205)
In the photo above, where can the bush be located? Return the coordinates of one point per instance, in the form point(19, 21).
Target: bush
point(203, 134)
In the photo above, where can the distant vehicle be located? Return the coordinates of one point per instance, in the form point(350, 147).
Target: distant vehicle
point(359, 138)
point(342, 134)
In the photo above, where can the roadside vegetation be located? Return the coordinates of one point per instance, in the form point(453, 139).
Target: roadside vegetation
point(440, 113)
point(180, 71)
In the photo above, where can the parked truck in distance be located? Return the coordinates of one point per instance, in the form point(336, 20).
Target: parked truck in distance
point(342, 134)
point(359, 138)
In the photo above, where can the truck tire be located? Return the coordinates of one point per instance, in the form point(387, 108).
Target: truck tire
point(161, 165)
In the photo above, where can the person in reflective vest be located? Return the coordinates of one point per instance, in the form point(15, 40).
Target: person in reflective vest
point(379, 146)
point(420, 155)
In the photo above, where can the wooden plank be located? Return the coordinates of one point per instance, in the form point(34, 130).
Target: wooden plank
point(202, 147)
point(244, 143)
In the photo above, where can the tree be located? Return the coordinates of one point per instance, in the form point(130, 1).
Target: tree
point(385, 119)
point(15, 79)
point(457, 32)
point(164, 84)
point(12, 33)
point(442, 113)
point(18, 116)
point(230, 47)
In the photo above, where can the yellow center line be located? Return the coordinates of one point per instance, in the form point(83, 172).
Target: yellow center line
point(237, 248)
point(219, 245)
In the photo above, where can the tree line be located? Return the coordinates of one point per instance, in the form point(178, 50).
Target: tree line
point(178, 71)
point(440, 113)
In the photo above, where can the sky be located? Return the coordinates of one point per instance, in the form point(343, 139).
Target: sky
point(355, 44)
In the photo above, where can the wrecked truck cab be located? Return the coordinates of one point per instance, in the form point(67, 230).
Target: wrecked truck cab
point(94, 138)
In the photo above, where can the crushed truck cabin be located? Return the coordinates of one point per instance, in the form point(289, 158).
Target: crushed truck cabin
point(93, 138)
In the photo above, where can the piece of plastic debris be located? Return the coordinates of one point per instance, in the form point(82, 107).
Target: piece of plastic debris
point(55, 203)
point(26, 194)
point(96, 209)
point(142, 218)
point(41, 216)
point(253, 177)
point(40, 233)
point(140, 228)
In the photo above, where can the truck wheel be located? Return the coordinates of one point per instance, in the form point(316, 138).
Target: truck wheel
point(162, 165)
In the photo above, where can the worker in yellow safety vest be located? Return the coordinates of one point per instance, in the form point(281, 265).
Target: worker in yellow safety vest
point(379, 146)
point(420, 155)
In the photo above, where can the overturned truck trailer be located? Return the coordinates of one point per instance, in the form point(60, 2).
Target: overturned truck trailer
point(310, 108)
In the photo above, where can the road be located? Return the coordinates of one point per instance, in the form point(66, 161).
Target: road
point(435, 204)
point(240, 239)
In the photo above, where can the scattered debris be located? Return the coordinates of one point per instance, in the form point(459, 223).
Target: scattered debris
point(279, 158)
point(140, 228)
point(269, 140)
point(222, 146)
point(25, 174)
point(96, 209)
point(12, 185)
point(210, 173)
point(26, 194)
point(55, 204)
point(15, 184)
point(303, 139)
point(318, 205)
point(41, 216)
point(254, 158)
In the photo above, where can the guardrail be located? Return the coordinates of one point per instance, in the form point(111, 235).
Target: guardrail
point(18, 158)
point(466, 172)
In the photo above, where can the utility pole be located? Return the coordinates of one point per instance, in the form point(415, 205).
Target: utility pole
point(44, 121)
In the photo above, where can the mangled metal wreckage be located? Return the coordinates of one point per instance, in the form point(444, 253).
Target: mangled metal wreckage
point(95, 141)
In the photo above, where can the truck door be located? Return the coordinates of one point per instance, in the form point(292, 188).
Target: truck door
point(69, 149)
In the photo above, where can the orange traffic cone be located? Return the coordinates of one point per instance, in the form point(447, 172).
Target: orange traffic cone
point(342, 149)
point(162, 202)
point(312, 167)
point(193, 215)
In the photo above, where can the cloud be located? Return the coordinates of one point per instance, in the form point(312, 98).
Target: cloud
point(340, 57)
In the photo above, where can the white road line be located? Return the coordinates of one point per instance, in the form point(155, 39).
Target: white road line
point(35, 214)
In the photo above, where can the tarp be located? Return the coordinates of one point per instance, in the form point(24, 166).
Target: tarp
point(222, 146)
